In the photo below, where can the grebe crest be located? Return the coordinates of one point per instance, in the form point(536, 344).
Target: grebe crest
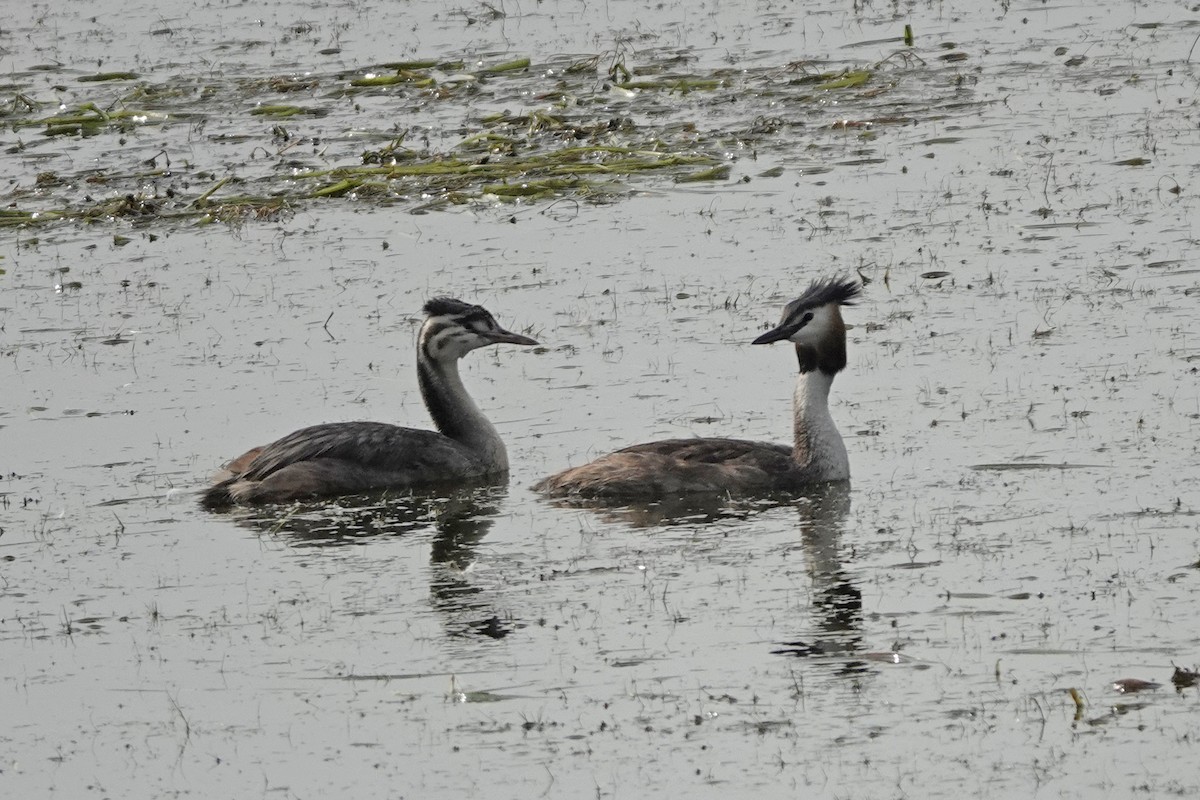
point(813, 321)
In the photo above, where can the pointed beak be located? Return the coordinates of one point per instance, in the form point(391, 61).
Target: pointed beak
point(508, 337)
point(774, 335)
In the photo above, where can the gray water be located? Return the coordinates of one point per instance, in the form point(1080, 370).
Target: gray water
point(1021, 411)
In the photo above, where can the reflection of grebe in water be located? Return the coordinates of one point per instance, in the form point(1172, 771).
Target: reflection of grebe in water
point(834, 628)
point(452, 523)
point(342, 458)
point(830, 625)
point(665, 469)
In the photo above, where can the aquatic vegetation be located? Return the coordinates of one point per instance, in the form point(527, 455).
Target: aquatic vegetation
point(428, 133)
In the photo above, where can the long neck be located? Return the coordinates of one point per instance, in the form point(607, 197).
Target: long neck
point(818, 447)
point(455, 413)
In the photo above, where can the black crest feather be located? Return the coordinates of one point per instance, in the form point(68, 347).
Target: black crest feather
point(842, 291)
point(448, 305)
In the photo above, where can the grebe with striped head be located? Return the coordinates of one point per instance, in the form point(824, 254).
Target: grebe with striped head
point(673, 467)
point(340, 458)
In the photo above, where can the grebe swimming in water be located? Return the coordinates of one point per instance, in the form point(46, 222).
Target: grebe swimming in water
point(340, 458)
point(676, 467)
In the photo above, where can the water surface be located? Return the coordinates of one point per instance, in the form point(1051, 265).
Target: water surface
point(1021, 410)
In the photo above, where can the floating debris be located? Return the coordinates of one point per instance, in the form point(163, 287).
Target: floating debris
point(1131, 685)
point(1185, 678)
point(1016, 465)
point(589, 128)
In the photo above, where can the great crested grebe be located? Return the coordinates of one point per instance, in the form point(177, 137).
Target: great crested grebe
point(675, 467)
point(340, 458)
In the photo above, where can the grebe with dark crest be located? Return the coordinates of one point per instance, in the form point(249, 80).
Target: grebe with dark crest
point(674, 467)
point(340, 458)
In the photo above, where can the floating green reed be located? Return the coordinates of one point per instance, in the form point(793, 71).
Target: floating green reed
point(846, 80)
point(715, 174)
point(401, 76)
point(284, 111)
point(429, 63)
point(681, 85)
point(507, 66)
point(109, 76)
point(202, 200)
point(11, 217)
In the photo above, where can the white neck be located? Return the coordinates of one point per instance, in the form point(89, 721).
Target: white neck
point(818, 445)
point(455, 413)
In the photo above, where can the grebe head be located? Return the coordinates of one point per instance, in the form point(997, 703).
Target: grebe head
point(813, 321)
point(454, 328)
